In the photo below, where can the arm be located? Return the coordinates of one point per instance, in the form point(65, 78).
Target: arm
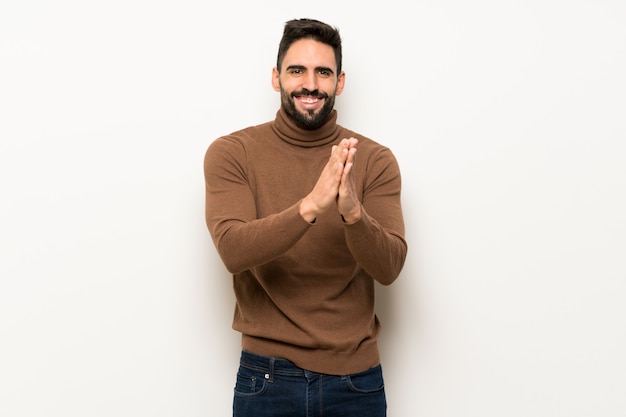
point(376, 237)
point(242, 240)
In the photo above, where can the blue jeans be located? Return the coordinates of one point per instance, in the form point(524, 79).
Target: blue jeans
point(273, 387)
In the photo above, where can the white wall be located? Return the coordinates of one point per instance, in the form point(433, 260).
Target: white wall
point(508, 120)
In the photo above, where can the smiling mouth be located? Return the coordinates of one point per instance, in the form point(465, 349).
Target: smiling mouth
point(308, 99)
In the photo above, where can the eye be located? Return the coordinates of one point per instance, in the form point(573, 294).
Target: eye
point(324, 73)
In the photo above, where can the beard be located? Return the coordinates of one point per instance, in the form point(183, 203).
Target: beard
point(309, 120)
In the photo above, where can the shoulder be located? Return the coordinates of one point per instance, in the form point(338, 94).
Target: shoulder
point(374, 158)
point(245, 134)
point(368, 146)
point(238, 140)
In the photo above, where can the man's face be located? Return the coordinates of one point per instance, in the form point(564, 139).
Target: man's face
point(308, 82)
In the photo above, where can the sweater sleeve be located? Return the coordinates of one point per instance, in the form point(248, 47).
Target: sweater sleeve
point(377, 240)
point(242, 240)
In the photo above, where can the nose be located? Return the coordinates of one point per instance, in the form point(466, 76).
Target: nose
point(310, 81)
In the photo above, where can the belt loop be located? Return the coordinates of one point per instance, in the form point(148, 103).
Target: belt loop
point(270, 376)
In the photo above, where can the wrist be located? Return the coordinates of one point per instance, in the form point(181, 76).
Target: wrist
point(308, 211)
point(352, 216)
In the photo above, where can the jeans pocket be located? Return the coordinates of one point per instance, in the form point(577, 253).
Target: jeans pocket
point(250, 382)
point(369, 381)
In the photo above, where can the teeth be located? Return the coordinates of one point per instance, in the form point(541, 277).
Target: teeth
point(309, 100)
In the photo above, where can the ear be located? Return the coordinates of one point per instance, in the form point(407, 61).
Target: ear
point(275, 79)
point(341, 81)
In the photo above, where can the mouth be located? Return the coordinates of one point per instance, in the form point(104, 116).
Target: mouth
point(309, 102)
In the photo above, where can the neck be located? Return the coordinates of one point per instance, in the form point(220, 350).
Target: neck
point(289, 131)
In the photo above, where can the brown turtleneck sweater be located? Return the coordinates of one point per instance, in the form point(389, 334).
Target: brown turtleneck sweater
point(304, 292)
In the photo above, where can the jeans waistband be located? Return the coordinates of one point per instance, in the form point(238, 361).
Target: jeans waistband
point(273, 366)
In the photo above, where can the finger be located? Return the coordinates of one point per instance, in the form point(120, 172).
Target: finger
point(341, 154)
point(351, 157)
point(352, 142)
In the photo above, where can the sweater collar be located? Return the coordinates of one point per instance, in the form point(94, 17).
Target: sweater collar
point(290, 132)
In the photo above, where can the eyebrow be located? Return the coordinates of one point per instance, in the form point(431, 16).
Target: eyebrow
point(302, 67)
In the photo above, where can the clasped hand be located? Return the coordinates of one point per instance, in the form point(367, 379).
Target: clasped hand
point(335, 185)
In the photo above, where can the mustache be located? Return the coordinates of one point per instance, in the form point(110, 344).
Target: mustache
point(305, 92)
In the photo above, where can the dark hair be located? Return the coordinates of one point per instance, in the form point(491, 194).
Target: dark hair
point(297, 29)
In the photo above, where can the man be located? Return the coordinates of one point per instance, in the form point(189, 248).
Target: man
point(306, 230)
